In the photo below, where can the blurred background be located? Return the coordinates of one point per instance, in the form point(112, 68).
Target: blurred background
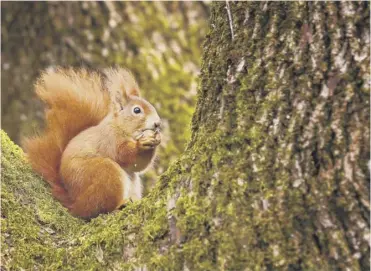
point(160, 42)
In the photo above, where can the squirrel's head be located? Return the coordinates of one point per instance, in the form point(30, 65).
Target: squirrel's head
point(135, 116)
point(132, 115)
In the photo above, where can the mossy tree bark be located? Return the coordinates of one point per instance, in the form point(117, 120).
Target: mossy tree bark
point(275, 176)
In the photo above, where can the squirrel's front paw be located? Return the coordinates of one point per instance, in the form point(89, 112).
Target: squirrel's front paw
point(149, 140)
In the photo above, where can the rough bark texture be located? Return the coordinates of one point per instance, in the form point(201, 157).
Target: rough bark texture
point(275, 176)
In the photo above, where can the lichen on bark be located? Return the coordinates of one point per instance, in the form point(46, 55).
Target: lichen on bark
point(275, 176)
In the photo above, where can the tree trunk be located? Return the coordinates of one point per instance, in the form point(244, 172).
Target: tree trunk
point(275, 176)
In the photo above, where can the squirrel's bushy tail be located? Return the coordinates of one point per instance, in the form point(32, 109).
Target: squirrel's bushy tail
point(75, 101)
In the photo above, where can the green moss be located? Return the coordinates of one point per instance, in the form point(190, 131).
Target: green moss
point(32, 222)
point(266, 191)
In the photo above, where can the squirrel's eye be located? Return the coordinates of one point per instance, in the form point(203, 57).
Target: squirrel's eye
point(137, 110)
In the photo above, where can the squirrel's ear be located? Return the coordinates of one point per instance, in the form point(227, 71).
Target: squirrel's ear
point(119, 99)
point(133, 92)
point(121, 80)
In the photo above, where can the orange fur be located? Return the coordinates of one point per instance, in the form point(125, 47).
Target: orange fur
point(88, 153)
point(127, 153)
point(90, 196)
point(75, 101)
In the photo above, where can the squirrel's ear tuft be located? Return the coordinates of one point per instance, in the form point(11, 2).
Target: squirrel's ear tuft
point(134, 92)
point(122, 81)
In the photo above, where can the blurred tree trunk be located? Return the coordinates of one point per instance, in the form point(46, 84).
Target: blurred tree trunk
point(276, 174)
point(160, 42)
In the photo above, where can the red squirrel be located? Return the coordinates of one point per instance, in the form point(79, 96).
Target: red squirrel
point(100, 134)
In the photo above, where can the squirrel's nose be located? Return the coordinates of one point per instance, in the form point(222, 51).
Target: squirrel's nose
point(157, 124)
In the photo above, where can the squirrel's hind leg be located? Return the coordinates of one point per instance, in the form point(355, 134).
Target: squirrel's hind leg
point(105, 190)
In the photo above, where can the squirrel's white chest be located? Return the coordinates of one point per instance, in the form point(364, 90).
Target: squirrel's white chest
point(132, 186)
